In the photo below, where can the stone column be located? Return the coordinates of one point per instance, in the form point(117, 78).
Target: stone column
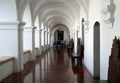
point(20, 46)
point(47, 39)
point(40, 50)
point(75, 41)
point(33, 43)
point(43, 40)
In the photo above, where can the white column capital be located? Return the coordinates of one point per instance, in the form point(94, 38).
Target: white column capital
point(40, 29)
point(33, 28)
point(45, 30)
point(48, 31)
point(22, 23)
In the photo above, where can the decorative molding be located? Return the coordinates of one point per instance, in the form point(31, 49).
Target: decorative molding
point(34, 27)
point(22, 23)
point(111, 10)
point(18, 25)
point(40, 29)
point(27, 27)
point(9, 22)
point(37, 30)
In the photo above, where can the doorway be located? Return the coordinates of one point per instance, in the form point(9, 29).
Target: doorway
point(97, 50)
point(61, 35)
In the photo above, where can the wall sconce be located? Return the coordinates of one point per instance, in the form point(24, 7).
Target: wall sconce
point(111, 10)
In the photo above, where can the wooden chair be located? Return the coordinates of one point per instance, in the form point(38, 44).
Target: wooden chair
point(77, 57)
point(71, 46)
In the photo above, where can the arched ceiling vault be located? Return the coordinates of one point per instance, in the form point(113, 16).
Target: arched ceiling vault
point(57, 11)
point(56, 17)
point(54, 23)
point(53, 12)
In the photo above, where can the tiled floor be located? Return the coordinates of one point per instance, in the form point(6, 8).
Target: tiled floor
point(52, 67)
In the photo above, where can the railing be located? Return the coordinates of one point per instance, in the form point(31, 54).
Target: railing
point(26, 56)
point(6, 66)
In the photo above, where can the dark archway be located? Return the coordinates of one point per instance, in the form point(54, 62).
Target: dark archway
point(96, 50)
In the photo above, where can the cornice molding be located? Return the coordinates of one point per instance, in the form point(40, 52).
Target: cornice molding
point(9, 22)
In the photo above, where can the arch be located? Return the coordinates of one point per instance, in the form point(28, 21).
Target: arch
point(27, 16)
point(54, 4)
point(22, 5)
point(60, 27)
point(55, 20)
point(96, 50)
point(37, 34)
point(37, 22)
point(57, 13)
point(27, 33)
point(53, 23)
point(52, 12)
point(54, 28)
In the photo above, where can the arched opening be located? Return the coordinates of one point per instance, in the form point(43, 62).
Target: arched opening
point(60, 35)
point(42, 34)
point(96, 50)
point(43, 31)
point(27, 34)
point(37, 36)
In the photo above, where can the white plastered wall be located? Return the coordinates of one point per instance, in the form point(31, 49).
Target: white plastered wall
point(9, 31)
point(8, 10)
point(107, 35)
point(94, 15)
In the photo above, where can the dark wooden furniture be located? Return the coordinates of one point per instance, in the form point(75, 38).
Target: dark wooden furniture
point(77, 57)
point(114, 62)
point(70, 46)
point(59, 43)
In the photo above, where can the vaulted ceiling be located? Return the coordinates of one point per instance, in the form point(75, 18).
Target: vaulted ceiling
point(53, 12)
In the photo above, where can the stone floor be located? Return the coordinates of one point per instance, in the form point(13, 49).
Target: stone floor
point(54, 66)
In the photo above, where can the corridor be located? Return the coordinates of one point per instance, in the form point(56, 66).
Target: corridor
point(54, 66)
